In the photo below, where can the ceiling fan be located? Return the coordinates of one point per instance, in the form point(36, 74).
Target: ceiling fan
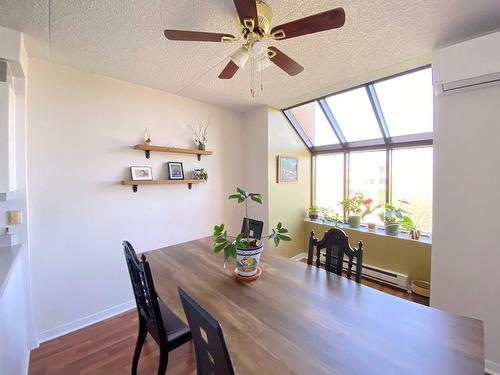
point(254, 21)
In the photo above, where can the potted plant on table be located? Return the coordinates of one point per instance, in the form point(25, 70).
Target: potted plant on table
point(356, 208)
point(393, 217)
point(243, 248)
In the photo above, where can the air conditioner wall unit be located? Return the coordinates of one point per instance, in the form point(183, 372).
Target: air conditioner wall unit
point(466, 65)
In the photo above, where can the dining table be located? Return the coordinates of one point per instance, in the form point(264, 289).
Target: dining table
point(300, 319)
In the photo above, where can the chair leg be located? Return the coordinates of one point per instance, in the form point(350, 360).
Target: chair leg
point(141, 336)
point(162, 366)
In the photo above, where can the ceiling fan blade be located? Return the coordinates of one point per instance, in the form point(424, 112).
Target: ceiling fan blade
point(283, 61)
point(247, 9)
point(331, 19)
point(197, 36)
point(229, 71)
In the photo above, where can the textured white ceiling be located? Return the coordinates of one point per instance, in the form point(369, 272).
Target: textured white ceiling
point(124, 39)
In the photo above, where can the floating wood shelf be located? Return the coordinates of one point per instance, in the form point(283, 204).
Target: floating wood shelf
point(134, 184)
point(175, 150)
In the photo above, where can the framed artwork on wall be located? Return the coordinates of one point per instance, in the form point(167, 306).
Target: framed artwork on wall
point(288, 169)
point(175, 171)
point(141, 173)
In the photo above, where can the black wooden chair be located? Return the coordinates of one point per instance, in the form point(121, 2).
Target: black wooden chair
point(254, 227)
point(336, 245)
point(154, 316)
point(212, 357)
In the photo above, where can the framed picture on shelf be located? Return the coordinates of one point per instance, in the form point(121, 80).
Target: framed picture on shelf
point(288, 169)
point(141, 173)
point(175, 171)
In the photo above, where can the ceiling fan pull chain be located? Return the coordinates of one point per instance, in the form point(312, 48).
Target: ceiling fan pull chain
point(252, 76)
point(262, 80)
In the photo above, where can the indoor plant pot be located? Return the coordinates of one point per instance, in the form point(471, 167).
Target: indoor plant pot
point(415, 234)
point(313, 214)
point(247, 260)
point(392, 229)
point(354, 221)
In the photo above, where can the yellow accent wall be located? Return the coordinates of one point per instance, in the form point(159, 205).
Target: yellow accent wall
point(288, 201)
point(412, 258)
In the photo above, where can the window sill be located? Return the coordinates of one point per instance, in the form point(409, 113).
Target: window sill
point(378, 232)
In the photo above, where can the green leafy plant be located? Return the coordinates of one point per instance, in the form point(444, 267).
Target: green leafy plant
point(314, 208)
point(358, 205)
point(228, 244)
point(200, 174)
point(396, 215)
point(330, 216)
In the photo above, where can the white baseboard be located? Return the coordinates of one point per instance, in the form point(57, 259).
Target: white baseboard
point(492, 368)
point(83, 322)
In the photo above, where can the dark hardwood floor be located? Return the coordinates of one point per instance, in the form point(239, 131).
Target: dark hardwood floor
point(106, 348)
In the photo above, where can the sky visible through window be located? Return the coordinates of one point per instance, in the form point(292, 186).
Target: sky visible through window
point(406, 108)
point(354, 114)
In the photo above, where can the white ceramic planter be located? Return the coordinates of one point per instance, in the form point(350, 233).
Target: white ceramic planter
point(247, 260)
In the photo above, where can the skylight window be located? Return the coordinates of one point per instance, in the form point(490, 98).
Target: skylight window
point(313, 122)
point(354, 114)
point(407, 103)
point(390, 112)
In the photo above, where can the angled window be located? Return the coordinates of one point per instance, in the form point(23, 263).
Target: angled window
point(407, 103)
point(367, 175)
point(354, 114)
point(412, 182)
point(330, 180)
point(313, 122)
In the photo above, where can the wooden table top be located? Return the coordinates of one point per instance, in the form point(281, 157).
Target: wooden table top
point(299, 319)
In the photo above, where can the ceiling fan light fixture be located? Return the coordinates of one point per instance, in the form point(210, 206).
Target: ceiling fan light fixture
point(240, 56)
point(258, 48)
point(263, 63)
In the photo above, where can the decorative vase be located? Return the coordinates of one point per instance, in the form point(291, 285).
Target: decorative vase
point(415, 234)
point(201, 146)
point(372, 227)
point(313, 215)
point(392, 229)
point(354, 221)
point(247, 260)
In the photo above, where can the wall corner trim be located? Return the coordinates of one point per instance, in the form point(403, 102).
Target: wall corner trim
point(83, 322)
point(492, 368)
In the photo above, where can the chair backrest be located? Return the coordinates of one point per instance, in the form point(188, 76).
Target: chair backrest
point(254, 227)
point(212, 356)
point(146, 298)
point(336, 245)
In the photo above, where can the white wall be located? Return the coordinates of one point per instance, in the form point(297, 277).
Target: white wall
point(255, 133)
point(80, 129)
point(465, 251)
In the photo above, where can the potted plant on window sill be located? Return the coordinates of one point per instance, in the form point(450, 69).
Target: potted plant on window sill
point(313, 212)
point(394, 217)
point(413, 228)
point(243, 248)
point(356, 208)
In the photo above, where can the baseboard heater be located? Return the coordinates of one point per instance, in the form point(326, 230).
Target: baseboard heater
point(381, 275)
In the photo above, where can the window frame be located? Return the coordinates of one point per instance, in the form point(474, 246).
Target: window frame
point(347, 153)
point(386, 142)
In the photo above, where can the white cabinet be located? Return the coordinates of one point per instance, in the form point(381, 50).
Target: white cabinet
point(8, 180)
